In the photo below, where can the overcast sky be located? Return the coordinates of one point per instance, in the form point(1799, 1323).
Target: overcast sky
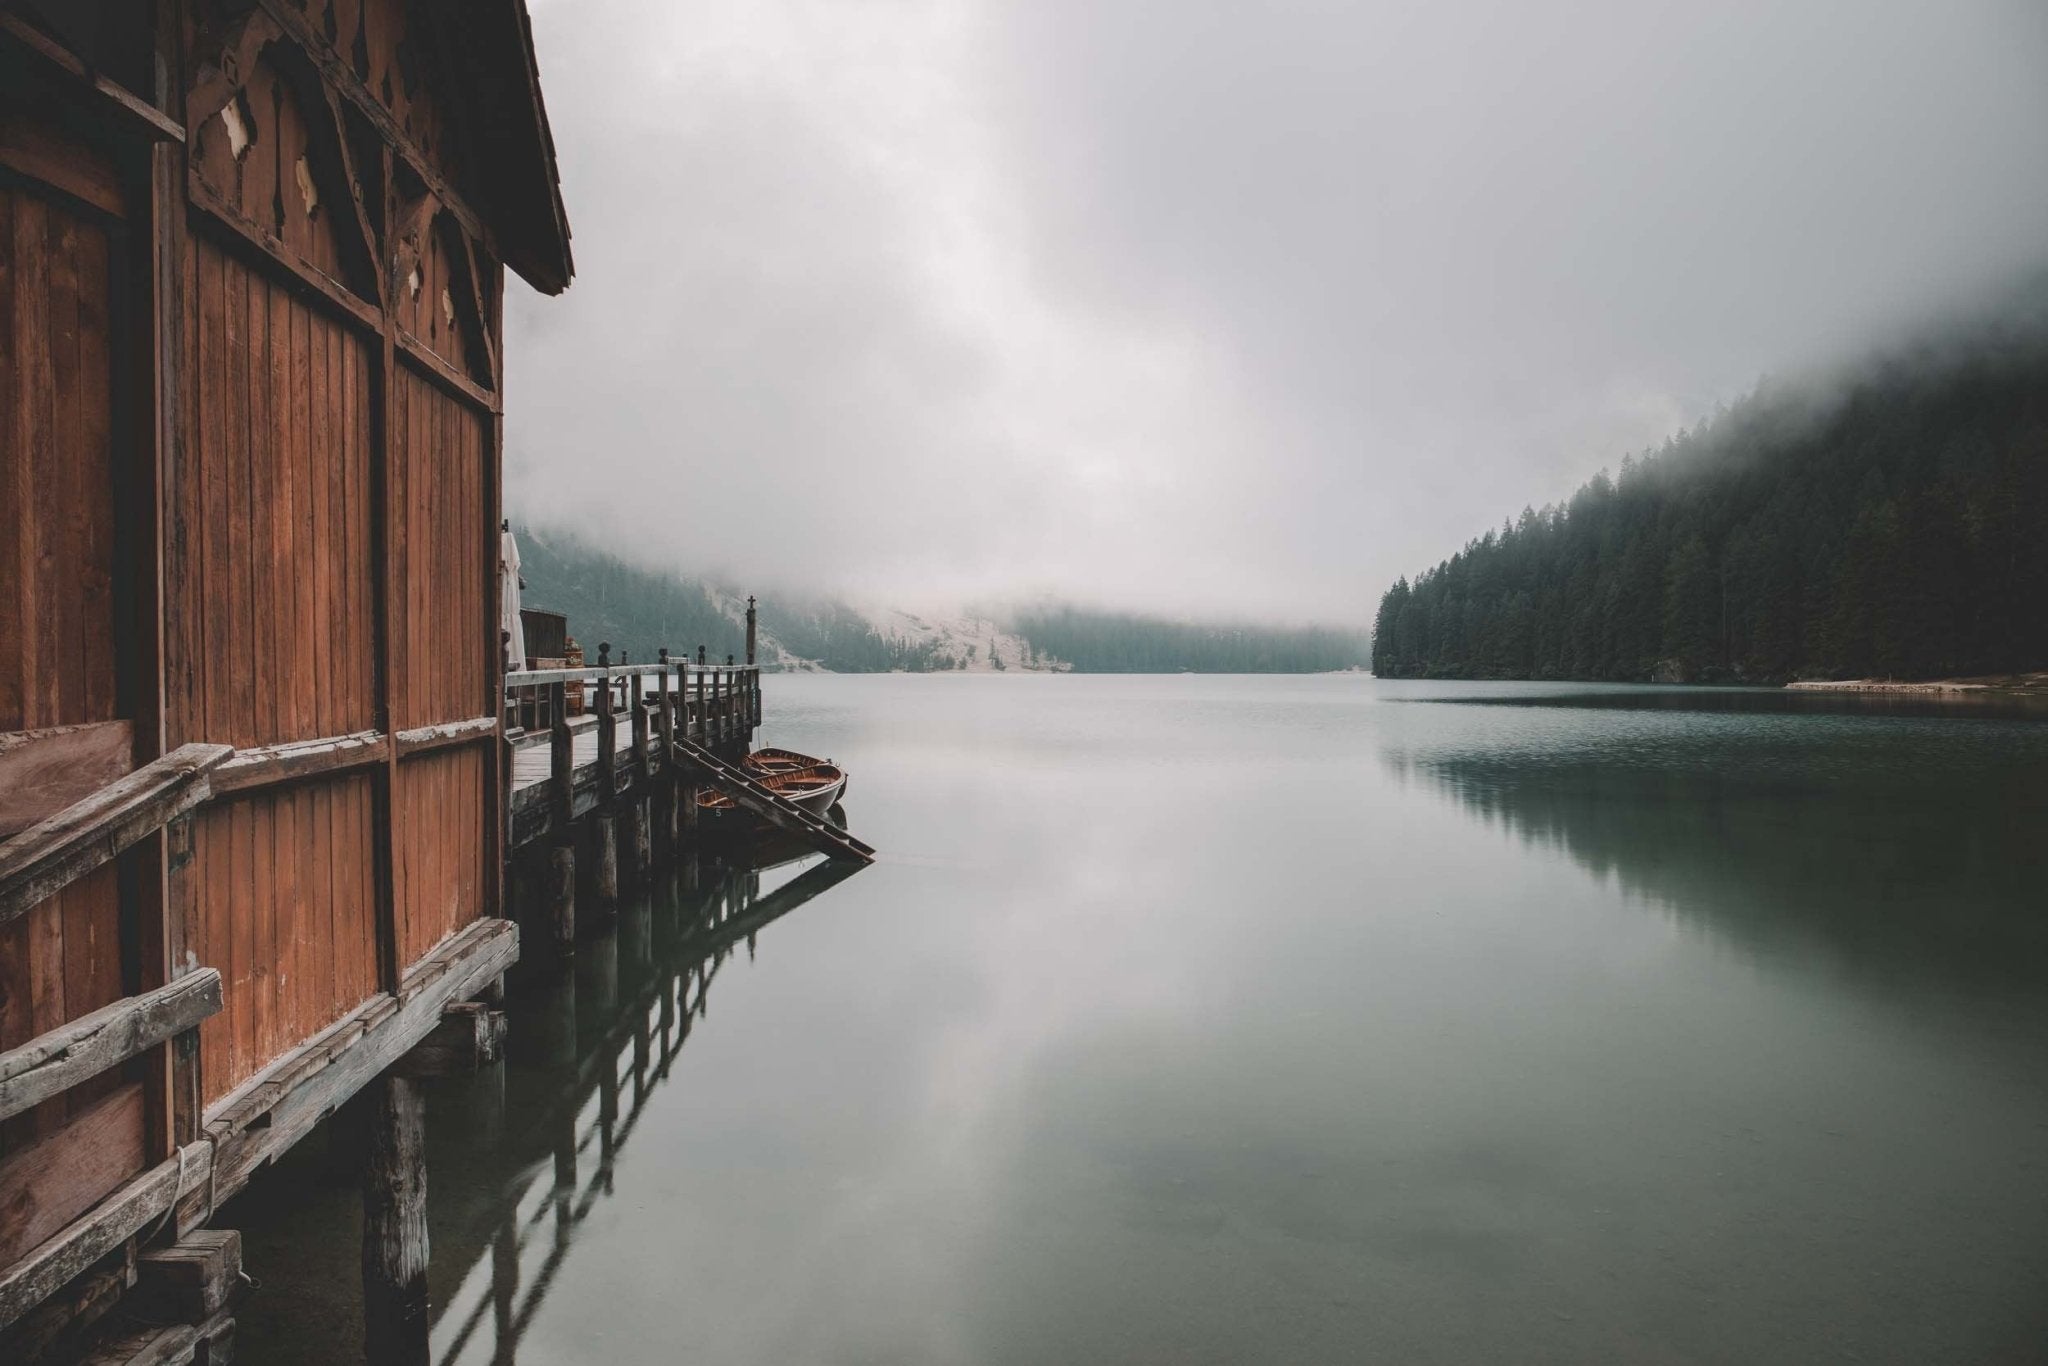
point(1207, 306)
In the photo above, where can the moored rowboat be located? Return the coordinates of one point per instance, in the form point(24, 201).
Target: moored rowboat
point(780, 761)
point(814, 787)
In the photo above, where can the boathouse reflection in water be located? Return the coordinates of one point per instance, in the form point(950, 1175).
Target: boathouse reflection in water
point(520, 1155)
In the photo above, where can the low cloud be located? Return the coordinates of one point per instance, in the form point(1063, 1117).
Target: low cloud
point(1194, 305)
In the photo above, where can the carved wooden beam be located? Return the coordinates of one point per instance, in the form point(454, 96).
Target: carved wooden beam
point(331, 164)
point(229, 57)
point(408, 238)
point(344, 79)
point(476, 304)
point(373, 251)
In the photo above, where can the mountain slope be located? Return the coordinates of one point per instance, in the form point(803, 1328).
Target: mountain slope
point(1895, 529)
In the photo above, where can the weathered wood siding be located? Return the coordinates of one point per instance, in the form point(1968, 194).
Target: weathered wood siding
point(440, 833)
point(251, 270)
point(56, 467)
point(282, 900)
point(333, 521)
point(57, 615)
point(279, 181)
point(440, 554)
point(275, 571)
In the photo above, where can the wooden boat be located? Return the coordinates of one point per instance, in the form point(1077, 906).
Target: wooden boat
point(779, 761)
point(814, 787)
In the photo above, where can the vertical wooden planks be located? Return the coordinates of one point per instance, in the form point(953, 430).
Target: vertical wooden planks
point(63, 958)
point(15, 476)
point(259, 654)
point(96, 474)
point(276, 580)
point(33, 440)
point(61, 486)
point(208, 558)
point(438, 841)
point(281, 905)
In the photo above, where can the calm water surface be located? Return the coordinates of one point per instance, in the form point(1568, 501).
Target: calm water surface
point(1280, 1020)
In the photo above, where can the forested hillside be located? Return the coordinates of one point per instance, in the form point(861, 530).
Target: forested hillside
point(842, 640)
point(640, 611)
point(1898, 529)
point(1116, 642)
point(606, 599)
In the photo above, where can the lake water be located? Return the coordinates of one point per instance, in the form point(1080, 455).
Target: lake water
point(1288, 1020)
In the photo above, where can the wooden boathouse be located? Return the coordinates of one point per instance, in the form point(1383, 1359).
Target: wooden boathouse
point(262, 769)
point(258, 793)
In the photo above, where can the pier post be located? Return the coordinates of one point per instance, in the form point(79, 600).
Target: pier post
point(637, 724)
point(562, 896)
point(395, 1223)
point(607, 731)
point(605, 874)
point(665, 738)
point(750, 630)
point(637, 860)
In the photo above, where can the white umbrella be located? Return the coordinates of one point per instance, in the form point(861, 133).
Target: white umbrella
point(508, 598)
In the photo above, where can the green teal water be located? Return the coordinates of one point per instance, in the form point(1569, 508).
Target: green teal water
point(1286, 1020)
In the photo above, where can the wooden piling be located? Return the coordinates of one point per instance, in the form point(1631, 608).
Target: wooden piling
point(605, 872)
point(607, 733)
point(395, 1224)
point(639, 857)
point(562, 896)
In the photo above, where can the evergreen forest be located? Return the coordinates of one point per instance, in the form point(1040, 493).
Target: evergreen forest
point(1896, 528)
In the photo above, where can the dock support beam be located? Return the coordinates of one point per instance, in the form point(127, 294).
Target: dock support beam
point(604, 873)
point(562, 896)
point(395, 1223)
point(640, 854)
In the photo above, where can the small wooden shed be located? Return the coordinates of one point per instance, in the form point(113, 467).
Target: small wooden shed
point(252, 259)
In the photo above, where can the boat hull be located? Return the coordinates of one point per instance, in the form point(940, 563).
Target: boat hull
point(815, 788)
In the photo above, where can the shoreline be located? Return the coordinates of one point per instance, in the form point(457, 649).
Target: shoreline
point(2018, 685)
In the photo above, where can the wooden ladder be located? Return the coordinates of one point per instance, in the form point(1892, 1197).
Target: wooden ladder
point(778, 810)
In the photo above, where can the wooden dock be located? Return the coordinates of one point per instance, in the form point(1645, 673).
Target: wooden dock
point(595, 802)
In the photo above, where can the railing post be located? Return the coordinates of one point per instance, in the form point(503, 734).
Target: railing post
point(561, 761)
point(665, 740)
point(639, 725)
point(703, 716)
point(607, 730)
point(721, 687)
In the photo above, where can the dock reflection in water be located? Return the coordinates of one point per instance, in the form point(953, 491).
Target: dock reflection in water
point(520, 1155)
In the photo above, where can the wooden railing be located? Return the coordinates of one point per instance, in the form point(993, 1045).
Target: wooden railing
point(35, 865)
point(45, 858)
point(51, 1064)
point(537, 700)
